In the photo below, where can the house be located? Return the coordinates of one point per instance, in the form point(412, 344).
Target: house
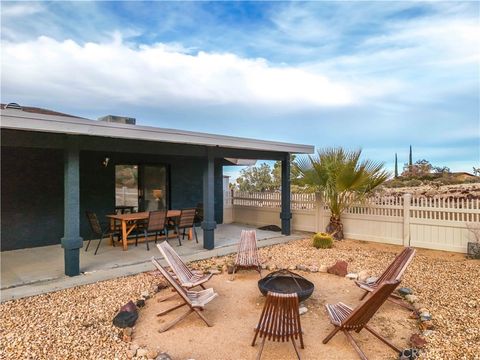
point(56, 166)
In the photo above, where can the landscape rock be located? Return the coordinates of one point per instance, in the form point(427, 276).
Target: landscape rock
point(323, 268)
point(214, 271)
point(292, 267)
point(313, 269)
point(302, 310)
point(371, 279)
point(427, 325)
point(427, 332)
point(302, 267)
point(411, 298)
point(271, 267)
point(417, 341)
point(352, 276)
point(145, 295)
point(405, 291)
point(363, 275)
point(152, 354)
point(163, 356)
point(131, 353)
point(128, 331)
point(340, 268)
point(140, 303)
point(420, 307)
point(425, 316)
point(142, 353)
point(263, 266)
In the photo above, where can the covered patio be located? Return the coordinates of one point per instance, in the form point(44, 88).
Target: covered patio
point(55, 167)
point(31, 271)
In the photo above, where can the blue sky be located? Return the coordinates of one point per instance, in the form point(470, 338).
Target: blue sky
point(375, 75)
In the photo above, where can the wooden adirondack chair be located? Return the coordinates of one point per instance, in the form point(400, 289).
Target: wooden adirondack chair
point(184, 275)
point(247, 255)
point(279, 321)
point(393, 272)
point(195, 300)
point(346, 319)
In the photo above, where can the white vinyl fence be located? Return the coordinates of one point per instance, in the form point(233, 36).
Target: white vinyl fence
point(433, 223)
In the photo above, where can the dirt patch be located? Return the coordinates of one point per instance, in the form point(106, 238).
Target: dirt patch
point(237, 309)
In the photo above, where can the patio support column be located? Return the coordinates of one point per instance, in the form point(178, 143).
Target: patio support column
point(209, 224)
point(286, 214)
point(71, 241)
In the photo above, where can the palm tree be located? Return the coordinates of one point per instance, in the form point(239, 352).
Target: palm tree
point(342, 179)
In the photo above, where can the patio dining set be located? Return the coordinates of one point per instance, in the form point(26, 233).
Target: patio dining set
point(158, 223)
point(280, 317)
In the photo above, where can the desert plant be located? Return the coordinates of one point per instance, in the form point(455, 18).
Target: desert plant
point(322, 240)
point(342, 180)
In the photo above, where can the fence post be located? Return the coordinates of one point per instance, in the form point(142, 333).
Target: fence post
point(318, 213)
point(407, 199)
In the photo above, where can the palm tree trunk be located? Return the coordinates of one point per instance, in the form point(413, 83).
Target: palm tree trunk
point(335, 227)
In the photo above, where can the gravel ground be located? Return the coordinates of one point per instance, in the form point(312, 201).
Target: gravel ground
point(76, 323)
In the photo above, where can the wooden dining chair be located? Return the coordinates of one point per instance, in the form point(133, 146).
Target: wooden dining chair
point(99, 231)
point(195, 300)
point(279, 321)
point(156, 223)
point(185, 221)
point(346, 319)
point(393, 272)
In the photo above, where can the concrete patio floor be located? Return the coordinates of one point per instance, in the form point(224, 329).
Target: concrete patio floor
point(33, 271)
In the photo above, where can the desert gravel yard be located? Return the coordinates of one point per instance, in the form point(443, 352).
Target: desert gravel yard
point(77, 323)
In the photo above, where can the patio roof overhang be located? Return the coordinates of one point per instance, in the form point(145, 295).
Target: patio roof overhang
point(27, 121)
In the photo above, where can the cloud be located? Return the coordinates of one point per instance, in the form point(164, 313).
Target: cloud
point(20, 9)
point(160, 73)
point(323, 73)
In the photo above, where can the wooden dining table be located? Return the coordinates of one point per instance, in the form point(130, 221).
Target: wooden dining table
point(129, 222)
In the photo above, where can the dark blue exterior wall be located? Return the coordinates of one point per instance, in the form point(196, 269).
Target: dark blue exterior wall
point(32, 190)
point(31, 197)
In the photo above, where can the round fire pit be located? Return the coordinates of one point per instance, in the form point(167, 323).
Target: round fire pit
point(286, 282)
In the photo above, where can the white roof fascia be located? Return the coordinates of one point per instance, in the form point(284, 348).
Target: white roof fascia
point(21, 120)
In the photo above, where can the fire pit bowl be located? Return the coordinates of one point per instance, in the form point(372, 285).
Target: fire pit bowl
point(286, 282)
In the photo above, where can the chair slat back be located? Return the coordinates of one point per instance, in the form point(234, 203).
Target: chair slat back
point(94, 223)
point(247, 249)
point(362, 314)
point(183, 273)
point(398, 266)
point(156, 220)
point(199, 213)
point(187, 217)
point(180, 290)
point(280, 319)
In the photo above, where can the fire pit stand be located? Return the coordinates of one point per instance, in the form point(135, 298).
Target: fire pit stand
point(286, 282)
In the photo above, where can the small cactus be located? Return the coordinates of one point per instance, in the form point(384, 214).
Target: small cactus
point(322, 240)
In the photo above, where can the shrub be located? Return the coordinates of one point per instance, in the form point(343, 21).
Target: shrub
point(322, 240)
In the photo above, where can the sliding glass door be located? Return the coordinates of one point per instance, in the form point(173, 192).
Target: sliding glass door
point(141, 188)
point(153, 193)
